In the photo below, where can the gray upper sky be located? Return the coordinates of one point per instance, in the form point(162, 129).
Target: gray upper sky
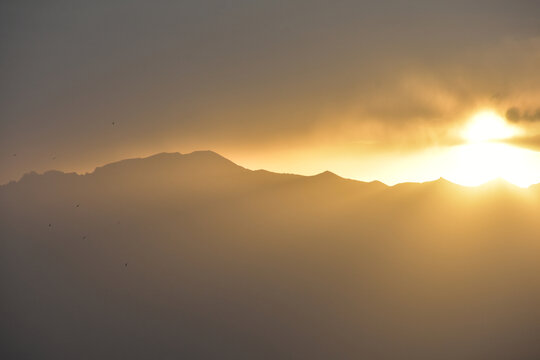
point(240, 76)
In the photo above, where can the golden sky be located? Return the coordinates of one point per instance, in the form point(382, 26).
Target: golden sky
point(367, 90)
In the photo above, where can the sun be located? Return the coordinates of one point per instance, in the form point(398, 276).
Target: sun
point(485, 156)
point(487, 126)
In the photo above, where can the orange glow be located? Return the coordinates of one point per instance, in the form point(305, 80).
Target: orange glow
point(488, 126)
point(477, 163)
point(482, 158)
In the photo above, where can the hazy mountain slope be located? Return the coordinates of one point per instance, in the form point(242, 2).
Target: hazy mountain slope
point(228, 263)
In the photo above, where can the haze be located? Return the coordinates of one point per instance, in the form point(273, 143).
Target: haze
point(248, 179)
point(370, 90)
point(193, 257)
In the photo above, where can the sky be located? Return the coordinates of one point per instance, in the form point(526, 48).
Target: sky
point(371, 90)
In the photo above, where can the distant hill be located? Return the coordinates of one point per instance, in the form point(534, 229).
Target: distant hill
point(194, 257)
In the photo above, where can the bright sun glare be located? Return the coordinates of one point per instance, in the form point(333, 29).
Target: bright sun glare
point(488, 126)
point(485, 157)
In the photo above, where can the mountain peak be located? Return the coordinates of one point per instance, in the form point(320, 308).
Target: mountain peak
point(170, 161)
point(327, 175)
point(444, 182)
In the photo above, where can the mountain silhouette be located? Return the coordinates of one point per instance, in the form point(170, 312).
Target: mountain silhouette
point(192, 256)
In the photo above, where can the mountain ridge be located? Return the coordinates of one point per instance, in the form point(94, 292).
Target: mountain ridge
point(168, 161)
point(196, 249)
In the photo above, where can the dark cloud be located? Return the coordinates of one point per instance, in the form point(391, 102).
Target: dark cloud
point(514, 114)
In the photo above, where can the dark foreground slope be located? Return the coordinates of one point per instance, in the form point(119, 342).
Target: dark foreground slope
point(193, 257)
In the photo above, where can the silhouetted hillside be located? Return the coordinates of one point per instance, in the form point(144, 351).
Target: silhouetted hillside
point(194, 257)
